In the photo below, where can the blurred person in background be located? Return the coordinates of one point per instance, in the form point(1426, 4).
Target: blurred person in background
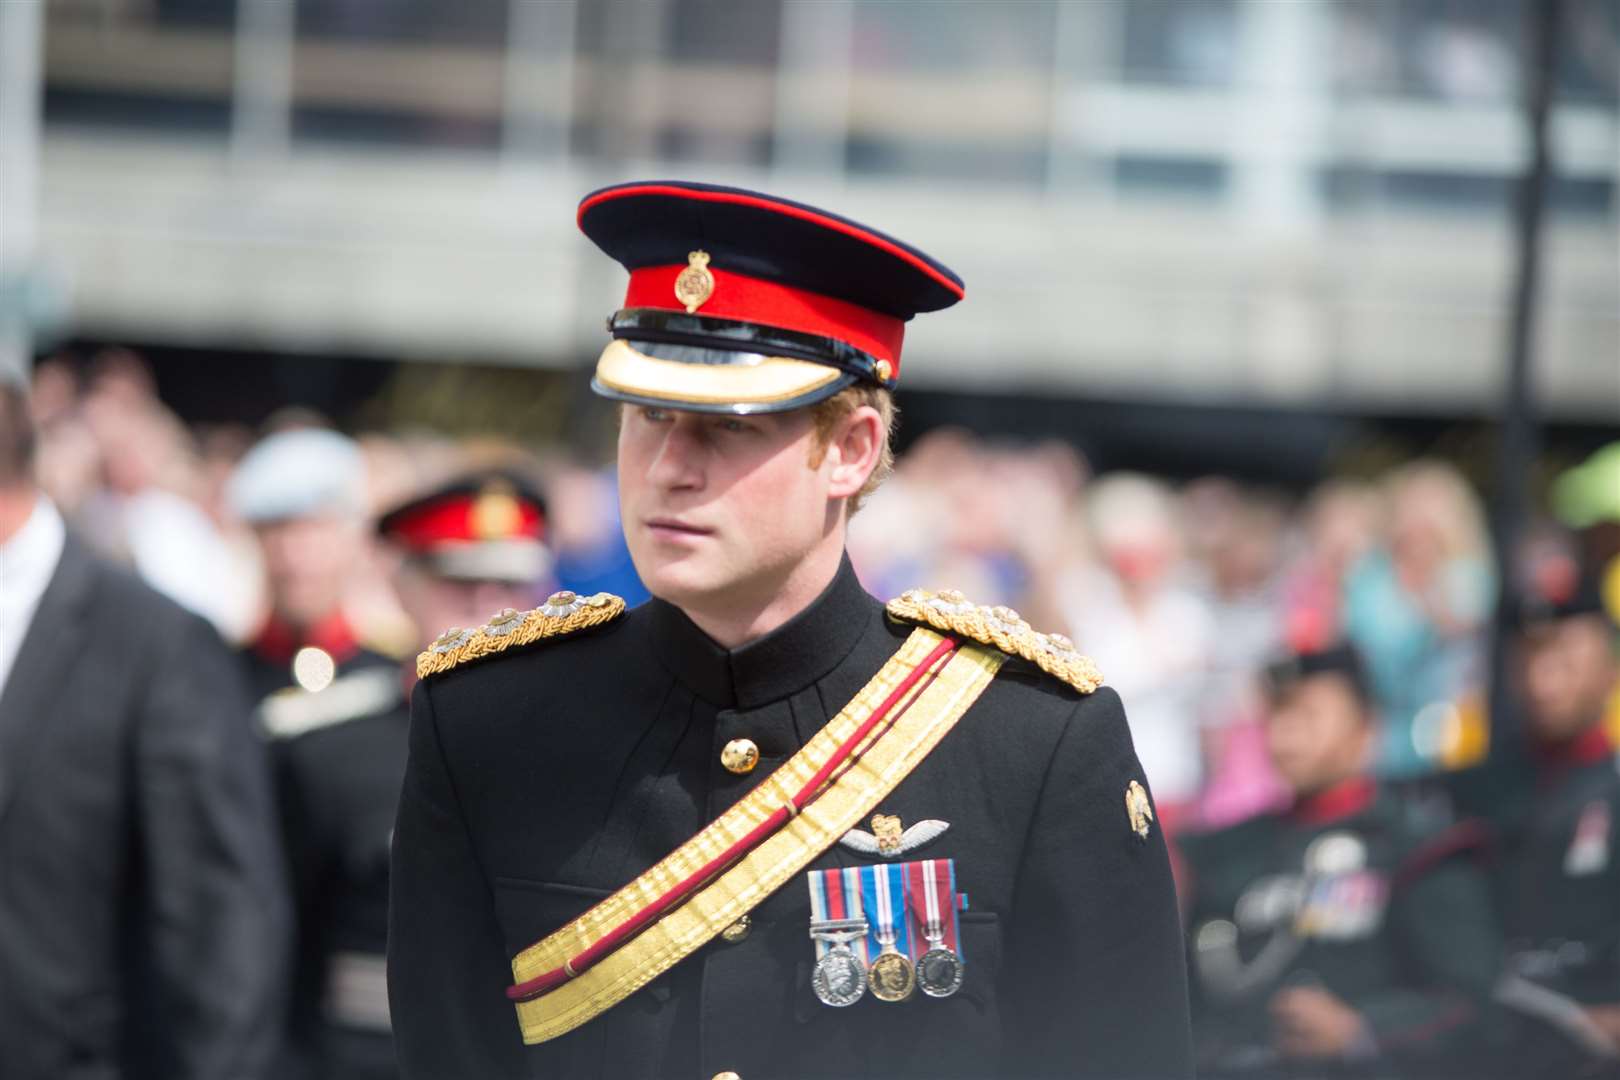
point(303, 492)
point(1561, 864)
point(1416, 606)
point(141, 922)
point(1238, 539)
point(1347, 935)
point(990, 520)
point(1586, 500)
point(1340, 525)
point(133, 483)
point(591, 555)
point(1152, 635)
point(461, 554)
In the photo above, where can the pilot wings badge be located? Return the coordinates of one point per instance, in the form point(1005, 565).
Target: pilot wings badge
point(887, 838)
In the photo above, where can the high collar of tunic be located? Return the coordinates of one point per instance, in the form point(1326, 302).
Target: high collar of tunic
point(794, 655)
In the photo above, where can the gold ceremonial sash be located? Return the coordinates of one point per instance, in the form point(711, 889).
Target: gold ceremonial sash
point(924, 718)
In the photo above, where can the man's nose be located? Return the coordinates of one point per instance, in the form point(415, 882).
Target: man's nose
point(679, 463)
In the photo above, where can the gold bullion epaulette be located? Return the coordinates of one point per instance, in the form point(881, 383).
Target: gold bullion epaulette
point(563, 614)
point(1001, 628)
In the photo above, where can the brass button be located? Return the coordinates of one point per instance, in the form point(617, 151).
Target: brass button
point(740, 756)
point(727, 1075)
point(738, 930)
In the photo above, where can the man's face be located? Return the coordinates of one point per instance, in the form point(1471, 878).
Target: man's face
point(1569, 672)
point(308, 562)
point(720, 508)
point(435, 604)
point(1317, 733)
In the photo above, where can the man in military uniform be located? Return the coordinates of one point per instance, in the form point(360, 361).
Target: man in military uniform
point(1347, 935)
point(460, 551)
point(759, 826)
point(303, 492)
point(1562, 869)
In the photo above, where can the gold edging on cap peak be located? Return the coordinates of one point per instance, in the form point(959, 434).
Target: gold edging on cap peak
point(663, 377)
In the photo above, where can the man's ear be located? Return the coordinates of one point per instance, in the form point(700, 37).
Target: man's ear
point(853, 450)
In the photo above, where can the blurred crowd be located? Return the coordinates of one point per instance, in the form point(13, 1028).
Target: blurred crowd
point(1183, 593)
point(152, 492)
point(1187, 595)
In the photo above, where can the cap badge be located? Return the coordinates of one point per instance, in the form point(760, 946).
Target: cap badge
point(496, 515)
point(889, 840)
point(1139, 809)
point(695, 284)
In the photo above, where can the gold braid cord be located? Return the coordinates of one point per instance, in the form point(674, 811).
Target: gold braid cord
point(1001, 628)
point(563, 614)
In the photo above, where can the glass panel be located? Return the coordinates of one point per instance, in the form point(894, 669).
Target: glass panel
point(953, 38)
point(417, 72)
point(724, 31)
point(1589, 55)
point(951, 91)
point(163, 65)
point(1434, 49)
point(1182, 42)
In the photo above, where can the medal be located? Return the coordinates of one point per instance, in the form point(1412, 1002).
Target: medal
point(939, 970)
point(891, 975)
point(839, 929)
point(839, 978)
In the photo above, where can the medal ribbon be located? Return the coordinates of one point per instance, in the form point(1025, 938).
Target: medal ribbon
point(836, 894)
point(754, 848)
point(883, 891)
point(931, 892)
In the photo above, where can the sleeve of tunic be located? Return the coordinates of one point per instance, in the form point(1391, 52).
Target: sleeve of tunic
point(1096, 980)
point(447, 963)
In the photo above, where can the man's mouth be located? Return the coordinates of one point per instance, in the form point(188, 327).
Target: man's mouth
point(674, 527)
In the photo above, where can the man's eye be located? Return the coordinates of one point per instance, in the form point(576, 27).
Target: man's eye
point(732, 426)
point(654, 415)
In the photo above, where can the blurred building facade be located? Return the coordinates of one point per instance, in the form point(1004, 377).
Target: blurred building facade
point(1292, 204)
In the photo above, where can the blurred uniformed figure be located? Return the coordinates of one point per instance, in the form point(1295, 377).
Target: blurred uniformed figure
point(1347, 935)
point(765, 825)
point(1561, 860)
point(303, 492)
point(461, 553)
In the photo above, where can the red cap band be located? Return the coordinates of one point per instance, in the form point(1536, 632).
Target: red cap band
point(466, 518)
point(748, 299)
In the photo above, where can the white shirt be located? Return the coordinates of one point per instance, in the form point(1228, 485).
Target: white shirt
point(27, 562)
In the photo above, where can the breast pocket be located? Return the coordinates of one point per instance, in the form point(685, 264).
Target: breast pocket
point(981, 957)
point(958, 1036)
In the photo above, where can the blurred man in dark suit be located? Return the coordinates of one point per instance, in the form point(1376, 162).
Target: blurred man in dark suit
point(141, 910)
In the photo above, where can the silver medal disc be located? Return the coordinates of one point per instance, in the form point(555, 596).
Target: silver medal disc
point(839, 978)
point(939, 973)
